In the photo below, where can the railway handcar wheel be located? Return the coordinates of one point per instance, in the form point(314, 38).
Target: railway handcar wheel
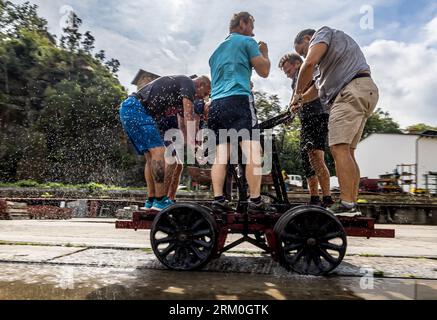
point(184, 237)
point(311, 241)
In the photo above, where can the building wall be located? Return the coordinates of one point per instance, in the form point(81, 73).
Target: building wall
point(144, 80)
point(381, 153)
point(427, 158)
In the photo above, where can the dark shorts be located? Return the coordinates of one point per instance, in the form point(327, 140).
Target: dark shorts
point(231, 113)
point(140, 127)
point(314, 136)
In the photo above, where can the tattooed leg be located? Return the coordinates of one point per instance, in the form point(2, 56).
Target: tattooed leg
point(158, 170)
point(149, 177)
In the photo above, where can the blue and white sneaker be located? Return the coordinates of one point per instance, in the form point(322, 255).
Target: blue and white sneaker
point(148, 205)
point(162, 205)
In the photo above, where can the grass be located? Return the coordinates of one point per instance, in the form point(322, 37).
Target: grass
point(368, 255)
point(91, 187)
point(378, 273)
point(33, 244)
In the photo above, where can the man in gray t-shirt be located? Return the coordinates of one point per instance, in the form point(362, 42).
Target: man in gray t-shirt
point(345, 86)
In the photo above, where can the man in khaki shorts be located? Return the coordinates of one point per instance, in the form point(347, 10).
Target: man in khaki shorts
point(346, 87)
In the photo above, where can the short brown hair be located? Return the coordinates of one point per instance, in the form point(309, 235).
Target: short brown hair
point(291, 58)
point(235, 22)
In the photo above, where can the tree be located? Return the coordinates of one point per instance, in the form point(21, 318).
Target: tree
point(268, 106)
point(72, 37)
point(113, 65)
point(101, 55)
point(58, 108)
point(419, 128)
point(380, 122)
point(287, 136)
point(14, 17)
point(88, 42)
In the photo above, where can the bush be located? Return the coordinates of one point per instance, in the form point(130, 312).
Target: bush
point(27, 184)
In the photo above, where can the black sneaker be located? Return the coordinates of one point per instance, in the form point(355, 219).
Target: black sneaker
point(261, 207)
point(327, 202)
point(222, 207)
point(315, 202)
point(339, 209)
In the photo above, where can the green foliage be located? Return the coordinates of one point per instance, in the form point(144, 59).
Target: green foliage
point(419, 128)
point(72, 37)
point(58, 105)
point(268, 106)
point(91, 187)
point(287, 136)
point(27, 184)
point(381, 122)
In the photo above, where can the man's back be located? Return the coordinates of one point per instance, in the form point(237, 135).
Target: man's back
point(342, 61)
point(231, 66)
point(164, 95)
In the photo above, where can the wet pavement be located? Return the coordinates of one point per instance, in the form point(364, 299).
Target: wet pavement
point(89, 259)
point(91, 283)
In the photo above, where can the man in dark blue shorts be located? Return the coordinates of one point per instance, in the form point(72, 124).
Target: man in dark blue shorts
point(231, 69)
point(141, 114)
point(314, 137)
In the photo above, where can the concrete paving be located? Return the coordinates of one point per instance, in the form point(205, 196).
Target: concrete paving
point(34, 253)
point(411, 241)
point(90, 259)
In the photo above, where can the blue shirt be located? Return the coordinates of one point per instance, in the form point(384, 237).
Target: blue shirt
point(231, 67)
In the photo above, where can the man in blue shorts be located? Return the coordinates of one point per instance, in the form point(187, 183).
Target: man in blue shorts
point(231, 69)
point(141, 114)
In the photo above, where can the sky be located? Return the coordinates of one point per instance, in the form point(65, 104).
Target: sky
point(169, 37)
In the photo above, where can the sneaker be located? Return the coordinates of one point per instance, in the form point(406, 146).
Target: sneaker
point(340, 210)
point(261, 207)
point(148, 205)
point(327, 202)
point(315, 202)
point(222, 207)
point(162, 205)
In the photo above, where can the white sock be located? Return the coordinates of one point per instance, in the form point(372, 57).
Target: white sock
point(349, 205)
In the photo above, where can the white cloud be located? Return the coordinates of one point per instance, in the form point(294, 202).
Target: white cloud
point(406, 76)
point(431, 32)
point(179, 36)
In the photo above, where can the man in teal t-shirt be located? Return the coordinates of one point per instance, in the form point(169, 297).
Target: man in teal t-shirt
point(231, 69)
point(230, 66)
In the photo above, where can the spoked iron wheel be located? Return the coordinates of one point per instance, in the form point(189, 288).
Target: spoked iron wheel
point(184, 237)
point(311, 241)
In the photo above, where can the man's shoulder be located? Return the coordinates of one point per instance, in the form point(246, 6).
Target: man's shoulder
point(241, 38)
point(182, 78)
point(324, 34)
point(325, 29)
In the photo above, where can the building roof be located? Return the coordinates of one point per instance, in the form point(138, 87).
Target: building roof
point(141, 73)
point(429, 133)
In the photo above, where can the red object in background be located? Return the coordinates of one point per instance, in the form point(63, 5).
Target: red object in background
point(3, 208)
point(369, 185)
point(49, 213)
